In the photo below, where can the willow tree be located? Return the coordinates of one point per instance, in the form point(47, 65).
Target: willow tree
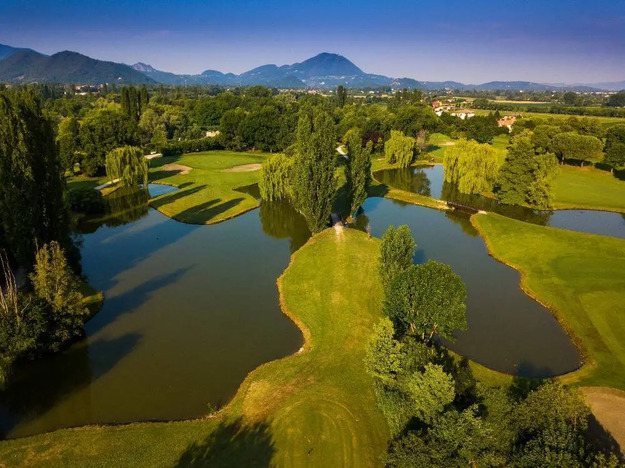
point(358, 173)
point(128, 165)
point(275, 179)
point(472, 166)
point(399, 149)
point(314, 187)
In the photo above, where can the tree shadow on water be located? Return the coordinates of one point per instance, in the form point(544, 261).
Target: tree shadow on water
point(231, 445)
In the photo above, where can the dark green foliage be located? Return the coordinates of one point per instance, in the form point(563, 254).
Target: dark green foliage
point(399, 149)
point(44, 319)
point(427, 299)
point(67, 139)
point(358, 171)
point(571, 145)
point(32, 210)
point(396, 252)
point(525, 177)
point(85, 200)
point(542, 137)
point(341, 96)
point(615, 146)
point(190, 146)
point(616, 100)
point(128, 165)
point(275, 181)
point(314, 187)
point(102, 131)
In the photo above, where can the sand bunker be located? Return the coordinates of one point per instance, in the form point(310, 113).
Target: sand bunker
point(179, 168)
point(446, 143)
point(243, 168)
point(608, 406)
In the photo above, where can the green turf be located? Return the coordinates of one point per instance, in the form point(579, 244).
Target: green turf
point(314, 408)
point(206, 194)
point(588, 188)
point(581, 277)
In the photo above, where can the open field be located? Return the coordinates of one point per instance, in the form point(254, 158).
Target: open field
point(314, 408)
point(581, 277)
point(588, 188)
point(605, 121)
point(206, 194)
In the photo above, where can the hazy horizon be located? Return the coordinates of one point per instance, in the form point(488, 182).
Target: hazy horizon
point(555, 42)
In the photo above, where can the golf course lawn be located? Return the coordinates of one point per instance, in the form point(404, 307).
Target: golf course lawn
point(581, 277)
point(588, 188)
point(314, 408)
point(206, 194)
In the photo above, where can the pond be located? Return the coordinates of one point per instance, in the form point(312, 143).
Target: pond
point(507, 330)
point(429, 181)
point(190, 310)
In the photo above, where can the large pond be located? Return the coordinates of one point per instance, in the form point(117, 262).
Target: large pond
point(429, 181)
point(191, 310)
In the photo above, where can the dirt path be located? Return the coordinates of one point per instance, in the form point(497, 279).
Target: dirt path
point(179, 168)
point(243, 168)
point(608, 406)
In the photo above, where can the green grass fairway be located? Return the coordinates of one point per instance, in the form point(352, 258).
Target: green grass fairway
point(588, 188)
point(581, 277)
point(315, 408)
point(206, 193)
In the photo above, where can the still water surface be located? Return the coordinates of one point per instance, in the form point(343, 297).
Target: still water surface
point(429, 181)
point(191, 310)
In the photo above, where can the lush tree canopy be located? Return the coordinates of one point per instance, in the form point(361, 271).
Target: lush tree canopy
point(32, 211)
point(399, 149)
point(570, 145)
point(128, 165)
point(472, 166)
point(525, 177)
point(275, 179)
point(314, 187)
point(358, 171)
point(427, 299)
point(396, 252)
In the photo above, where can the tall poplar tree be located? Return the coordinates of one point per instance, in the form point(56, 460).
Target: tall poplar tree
point(314, 188)
point(358, 171)
point(32, 211)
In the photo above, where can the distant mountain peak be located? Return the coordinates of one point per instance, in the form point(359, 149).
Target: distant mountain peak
point(144, 67)
point(325, 64)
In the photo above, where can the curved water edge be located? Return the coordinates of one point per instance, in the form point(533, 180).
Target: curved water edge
point(163, 346)
point(429, 181)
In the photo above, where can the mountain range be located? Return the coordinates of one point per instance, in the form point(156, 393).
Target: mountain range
point(326, 70)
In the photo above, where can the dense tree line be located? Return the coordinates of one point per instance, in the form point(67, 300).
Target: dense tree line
point(48, 310)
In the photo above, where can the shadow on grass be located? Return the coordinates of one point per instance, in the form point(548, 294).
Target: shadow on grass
point(231, 445)
point(205, 212)
point(175, 196)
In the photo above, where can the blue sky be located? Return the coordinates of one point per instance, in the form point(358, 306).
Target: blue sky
point(470, 40)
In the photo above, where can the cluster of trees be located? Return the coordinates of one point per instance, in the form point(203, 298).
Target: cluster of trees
point(527, 175)
point(308, 178)
point(438, 414)
point(47, 311)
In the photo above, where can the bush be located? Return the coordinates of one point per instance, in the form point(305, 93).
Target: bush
point(190, 146)
point(86, 200)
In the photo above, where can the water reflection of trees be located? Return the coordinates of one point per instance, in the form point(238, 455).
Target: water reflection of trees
point(281, 221)
point(125, 205)
point(410, 180)
point(451, 193)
